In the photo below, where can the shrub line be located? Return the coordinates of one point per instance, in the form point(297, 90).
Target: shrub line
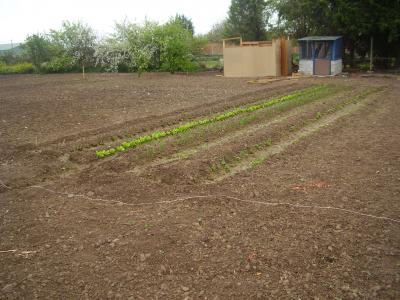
point(221, 117)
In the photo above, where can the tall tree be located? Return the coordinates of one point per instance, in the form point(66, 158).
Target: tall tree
point(356, 20)
point(217, 32)
point(185, 22)
point(303, 17)
point(248, 18)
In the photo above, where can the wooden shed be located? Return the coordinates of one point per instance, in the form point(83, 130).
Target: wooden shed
point(257, 59)
point(321, 55)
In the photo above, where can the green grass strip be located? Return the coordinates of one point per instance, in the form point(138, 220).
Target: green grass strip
point(221, 117)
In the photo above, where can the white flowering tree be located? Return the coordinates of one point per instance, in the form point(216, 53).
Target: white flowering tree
point(111, 54)
point(78, 41)
point(149, 46)
point(140, 42)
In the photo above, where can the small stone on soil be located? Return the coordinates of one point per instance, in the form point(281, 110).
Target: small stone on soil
point(164, 286)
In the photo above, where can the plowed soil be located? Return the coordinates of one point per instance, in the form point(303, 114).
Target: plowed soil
point(296, 201)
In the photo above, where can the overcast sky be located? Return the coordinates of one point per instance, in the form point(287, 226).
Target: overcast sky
point(18, 18)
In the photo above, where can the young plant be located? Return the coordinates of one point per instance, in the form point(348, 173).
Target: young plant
point(254, 163)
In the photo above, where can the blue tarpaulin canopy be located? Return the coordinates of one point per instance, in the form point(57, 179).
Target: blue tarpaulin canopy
point(324, 47)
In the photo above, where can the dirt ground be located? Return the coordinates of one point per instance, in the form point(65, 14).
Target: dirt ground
point(296, 201)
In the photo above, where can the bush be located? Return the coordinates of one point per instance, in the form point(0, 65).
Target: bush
point(21, 68)
point(132, 48)
point(295, 58)
point(61, 64)
point(178, 48)
point(38, 49)
point(149, 47)
point(211, 62)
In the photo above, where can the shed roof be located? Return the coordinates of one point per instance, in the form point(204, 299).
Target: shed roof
point(320, 38)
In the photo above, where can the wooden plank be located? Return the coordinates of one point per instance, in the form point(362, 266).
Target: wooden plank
point(284, 58)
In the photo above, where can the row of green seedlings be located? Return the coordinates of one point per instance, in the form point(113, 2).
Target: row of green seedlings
point(281, 107)
point(221, 117)
point(259, 116)
point(355, 99)
point(364, 94)
point(226, 164)
point(201, 133)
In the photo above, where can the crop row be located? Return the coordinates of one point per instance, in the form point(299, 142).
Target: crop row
point(226, 163)
point(221, 117)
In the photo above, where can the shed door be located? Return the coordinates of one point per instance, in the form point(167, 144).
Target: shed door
point(322, 67)
point(284, 58)
point(322, 58)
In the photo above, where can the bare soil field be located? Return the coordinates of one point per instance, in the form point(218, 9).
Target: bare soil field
point(218, 189)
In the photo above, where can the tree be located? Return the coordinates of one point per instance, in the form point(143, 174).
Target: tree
point(248, 18)
point(150, 46)
point(356, 20)
point(140, 43)
point(184, 21)
point(176, 51)
point(112, 54)
point(217, 32)
point(38, 49)
point(78, 41)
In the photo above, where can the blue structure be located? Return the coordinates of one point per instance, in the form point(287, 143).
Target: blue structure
point(321, 55)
